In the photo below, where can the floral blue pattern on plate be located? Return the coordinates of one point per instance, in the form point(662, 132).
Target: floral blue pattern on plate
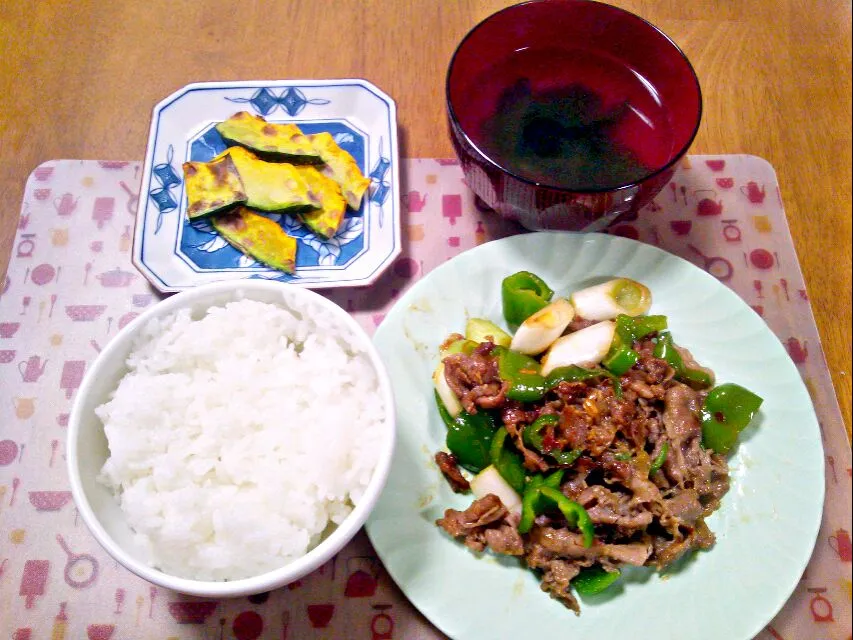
point(175, 254)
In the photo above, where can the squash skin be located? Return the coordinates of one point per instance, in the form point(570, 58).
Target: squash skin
point(259, 237)
point(271, 186)
point(271, 141)
point(341, 167)
point(212, 187)
point(327, 220)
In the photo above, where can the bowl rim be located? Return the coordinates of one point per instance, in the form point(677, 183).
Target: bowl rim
point(628, 185)
point(300, 567)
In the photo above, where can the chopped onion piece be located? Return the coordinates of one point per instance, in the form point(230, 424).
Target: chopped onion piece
point(541, 329)
point(445, 393)
point(587, 346)
point(607, 300)
point(489, 480)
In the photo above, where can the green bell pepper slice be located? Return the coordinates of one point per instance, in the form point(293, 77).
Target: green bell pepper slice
point(620, 358)
point(469, 437)
point(573, 373)
point(532, 502)
point(629, 330)
point(660, 458)
point(727, 410)
point(532, 437)
point(665, 350)
point(508, 462)
point(523, 294)
point(574, 514)
point(594, 580)
point(634, 328)
point(566, 457)
point(526, 384)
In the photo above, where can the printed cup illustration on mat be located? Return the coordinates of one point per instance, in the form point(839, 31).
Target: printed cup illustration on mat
point(363, 577)
point(9, 329)
point(195, 612)
point(49, 500)
point(320, 615)
point(85, 312)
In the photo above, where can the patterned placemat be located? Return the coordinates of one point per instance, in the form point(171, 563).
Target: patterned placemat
point(70, 287)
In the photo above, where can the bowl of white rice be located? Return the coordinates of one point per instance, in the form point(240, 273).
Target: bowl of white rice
point(232, 438)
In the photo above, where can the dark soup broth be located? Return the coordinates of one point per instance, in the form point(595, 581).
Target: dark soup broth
point(570, 119)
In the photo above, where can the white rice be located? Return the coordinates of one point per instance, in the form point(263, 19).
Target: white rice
point(237, 438)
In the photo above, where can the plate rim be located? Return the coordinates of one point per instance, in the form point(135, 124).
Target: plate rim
point(807, 550)
point(147, 164)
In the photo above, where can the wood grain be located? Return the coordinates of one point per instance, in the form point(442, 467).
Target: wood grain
point(79, 81)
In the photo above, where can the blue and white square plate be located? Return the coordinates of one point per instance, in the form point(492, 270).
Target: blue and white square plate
point(175, 254)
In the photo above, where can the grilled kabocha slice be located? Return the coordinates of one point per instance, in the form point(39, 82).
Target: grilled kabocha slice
point(271, 186)
point(212, 187)
point(268, 140)
point(258, 237)
point(326, 220)
point(341, 167)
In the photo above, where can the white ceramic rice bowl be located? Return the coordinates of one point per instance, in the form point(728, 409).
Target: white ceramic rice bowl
point(87, 449)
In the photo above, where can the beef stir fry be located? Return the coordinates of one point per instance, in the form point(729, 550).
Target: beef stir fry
point(596, 441)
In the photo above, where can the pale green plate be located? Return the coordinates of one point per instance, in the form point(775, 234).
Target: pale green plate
point(765, 529)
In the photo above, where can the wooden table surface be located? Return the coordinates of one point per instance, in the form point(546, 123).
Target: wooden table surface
point(81, 82)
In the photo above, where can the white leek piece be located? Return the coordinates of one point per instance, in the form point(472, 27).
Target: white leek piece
point(489, 480)
point(607, 300)
point(587, 346)
point(445, 393)
point(536, 334)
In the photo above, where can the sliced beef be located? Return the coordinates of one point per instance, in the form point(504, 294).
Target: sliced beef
point(515, 417)
point(668, 551)
point(484, 524)
point(609, 508)
point(656, 369)
point(505, 539)
point(685, 506)
point(615, 470)
point(474, 379)
point(574, 427)
point(571, 392)
point(568, 544)
point(576, 483)
point(447, 463)
point(482, 512)
point(579, 323)
point(647, 391)
point(680, 414)
point(556, 580)
point(680, 419)
point(690, 362)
